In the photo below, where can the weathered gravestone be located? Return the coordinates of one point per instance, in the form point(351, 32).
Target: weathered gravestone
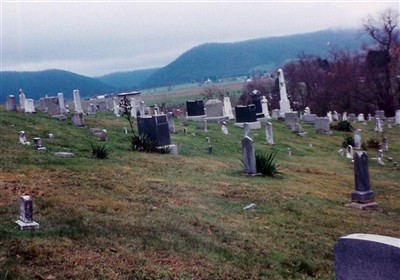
point(26, 221)
point(61, 103)
point(269, 134)
point(351, 117)
point(116, 107)
point(101, 134)
point(264, 105)
point(360, 118)
point(11, 103)
point(53, 106)
point(133, 109)
point(21, 100)
point(142, 109)
point(102, 105)
point(385, 145)
point(322, 126)
point(77, 101)
point(380, 157)
point(215, 111)
point(37, 144)
point(291, 119)
point(344, 118)
point(378, 125)
point(367, 257)
point(256, 100)
point(397, 117)
point(275, 114)
point(357, 139)
point(22, 138)
point(380, 114)
point(298, 129)
point(284, 104)
point(171, 123)
point(78, 120)
point(30, 106)
point(224, 128)
point(349, 152)
point(248, 153)
point(310, 118)
point(91, 109)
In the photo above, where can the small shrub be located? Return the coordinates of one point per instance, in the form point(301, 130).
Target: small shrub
point(143, 143)
point(100, 151)
point(348, 140)
point(373, 143)
point(344, 126)
point(265, 163)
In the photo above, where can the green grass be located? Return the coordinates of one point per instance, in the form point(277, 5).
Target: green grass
point(153, 216)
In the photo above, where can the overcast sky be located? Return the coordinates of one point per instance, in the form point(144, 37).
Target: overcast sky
point(98, 37)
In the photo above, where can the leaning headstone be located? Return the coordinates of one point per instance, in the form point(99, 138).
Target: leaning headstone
point(37, 144)
point(77, 101)
point(357, 138)
point(269, 134)
point(11, 103)
point(397, 117)
point(30, 106)
point(78, 120)
point(363, 196)
point(21, 101)
point(248, 153)
point(322, 126)
point(367, 257)
point(26, 221)
point(298, 129)
point(228, 108)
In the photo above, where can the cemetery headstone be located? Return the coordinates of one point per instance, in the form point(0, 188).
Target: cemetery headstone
point(247, 114)
point(91, 109)
point(133, 109)
point(30, 106)
point(228, 108)
point(125, 130)
point(116, 107)
point(171, 123)
point(53, 106)
point(380, 114)
point(78, 120)
point(344, 117)
point(322, 126)
point(349, 152)
point(310, 118)
point(224, 128)
point(340, 152)
point(21, 101)
point(357, 139)
point(367, 257)
point(156, 127)
point(351, 117)
point(397, 117)
point(248, 153)
point(269, 134)
point(22, 138)
point(289, 151)
point(378, 125)
point(37, 144)
point(284, 104)
point(380, 157)
point(142, 109)
point(307, 111)
point(329, 115)
point(102, 105)
point(195, 110)
point(11, 104)
point(215, 111)
point(26, 221)
point(256, 100)
point(61, 103)
point(335, 116)
point(77, 101)
point(264, 105)
point(385, 145)
point(298, 129)
point(291, 119)
point(51, 136)
point(275, 114)
point(363, 193)
point(360, 118)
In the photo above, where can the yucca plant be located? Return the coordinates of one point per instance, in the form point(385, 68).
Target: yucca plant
point(348, 140)
point(266, 164)
point(143, 143)
point(100, 151)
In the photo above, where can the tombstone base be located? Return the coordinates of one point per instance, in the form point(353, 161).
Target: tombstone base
point(302, 134)
point(195, 118)
point(252, 125)
point(263, 119)
point(41, 149)
point(362, 197)
point(27, 226)
point(216, 119)
point(363, 206)
point(252, 174)
point(64, 154)
point(329, 133)
point(172, 148)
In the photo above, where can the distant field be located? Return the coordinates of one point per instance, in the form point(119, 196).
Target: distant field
point(152, 216)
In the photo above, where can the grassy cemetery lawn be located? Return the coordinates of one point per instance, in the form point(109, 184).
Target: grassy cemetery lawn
point(154, 216)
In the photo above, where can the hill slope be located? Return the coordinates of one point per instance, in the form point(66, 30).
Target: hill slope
point(220, 60)
point(38, 84)
point(129, 80)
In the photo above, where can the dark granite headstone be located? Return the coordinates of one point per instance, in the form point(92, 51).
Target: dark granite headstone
point(155, 127)
point(367, 257)
point(245, 113)
point(195, 108)
point(256, 100)
point(363, 192)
